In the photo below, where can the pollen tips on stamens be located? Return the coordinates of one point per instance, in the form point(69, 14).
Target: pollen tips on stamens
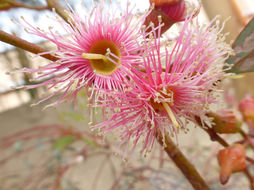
point(159, 18)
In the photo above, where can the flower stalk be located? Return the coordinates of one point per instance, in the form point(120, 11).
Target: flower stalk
point(188, 170)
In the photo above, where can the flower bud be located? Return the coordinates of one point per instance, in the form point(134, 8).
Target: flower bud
point(170, 11)
point(231, 160)
point(173, 9)
point(225, 122)
point(246, 107)
point(163, 2)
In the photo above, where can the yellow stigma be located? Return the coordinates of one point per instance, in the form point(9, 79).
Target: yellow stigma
point(160, 106)
point(98, 59)
point(94, 56)
point(170, 114)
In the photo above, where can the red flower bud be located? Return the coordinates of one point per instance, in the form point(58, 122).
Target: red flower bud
point(171, 11)
point(163, 2)
point(231, 160)
point(174, 10)
point(246, 107)
point(225, 122)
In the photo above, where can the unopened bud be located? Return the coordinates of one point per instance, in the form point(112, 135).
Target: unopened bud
point(171, 11)
point(174, 9)
point(163, 2)
point(231, 160)
point(225, 121)
point(246, 107)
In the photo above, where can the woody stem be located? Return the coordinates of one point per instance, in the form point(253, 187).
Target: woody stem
point(23, 44)
point(60, 10)
point(188, 170)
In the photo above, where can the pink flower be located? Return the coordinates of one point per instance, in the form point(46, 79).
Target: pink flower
point(171, 87)
point(97, 52)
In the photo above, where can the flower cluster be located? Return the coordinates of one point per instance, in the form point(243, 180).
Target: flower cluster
point(148, 85)
point(175, 83)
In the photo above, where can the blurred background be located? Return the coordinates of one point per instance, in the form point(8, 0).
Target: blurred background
point(16, 113)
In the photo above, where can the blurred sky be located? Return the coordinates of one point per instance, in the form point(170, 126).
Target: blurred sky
point(40, 18)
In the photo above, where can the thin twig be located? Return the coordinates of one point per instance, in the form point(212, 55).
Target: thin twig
point(15, 4)
point(249, 176)
point(243, 134)
point(213, 135)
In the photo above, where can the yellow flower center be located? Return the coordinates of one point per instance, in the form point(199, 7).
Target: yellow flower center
point(98, 57)
point(158, 107)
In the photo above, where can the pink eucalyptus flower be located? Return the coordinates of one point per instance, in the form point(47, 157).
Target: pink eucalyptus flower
point(175, 84)
point(98, 51)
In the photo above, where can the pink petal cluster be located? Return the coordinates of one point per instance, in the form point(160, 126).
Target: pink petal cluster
point(75, 72)
point(175, 83)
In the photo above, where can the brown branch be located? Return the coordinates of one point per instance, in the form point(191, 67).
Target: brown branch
point(60, 10)
point(188, 170)
point(14, 4)
point(213, 135)
point(23, 44)
point(250, 160)
point(249, 176)
point(241, 132)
